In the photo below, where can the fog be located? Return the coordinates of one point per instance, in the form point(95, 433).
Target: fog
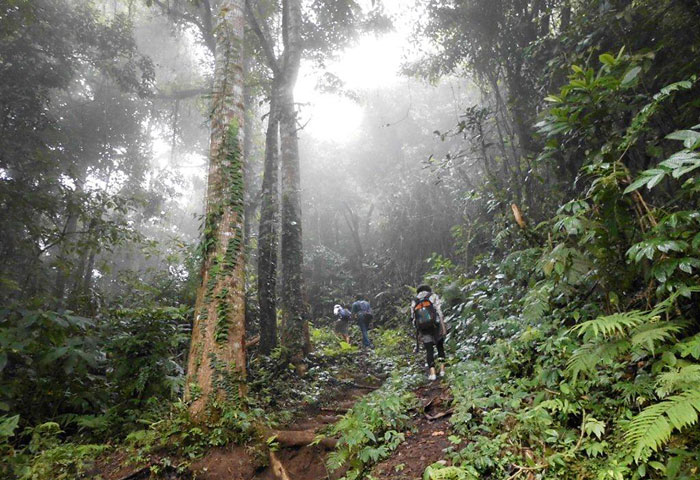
point(371, 185)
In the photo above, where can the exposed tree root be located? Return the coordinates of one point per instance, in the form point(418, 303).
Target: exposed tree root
point(301, 438)
point(277, 467)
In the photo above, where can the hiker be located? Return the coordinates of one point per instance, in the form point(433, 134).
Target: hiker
point(362, 311)
point(430, 327)
point(343, 325)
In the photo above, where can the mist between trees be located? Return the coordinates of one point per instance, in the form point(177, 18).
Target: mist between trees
point(173, 229)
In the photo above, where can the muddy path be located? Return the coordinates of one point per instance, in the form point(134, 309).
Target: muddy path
point(424, 444)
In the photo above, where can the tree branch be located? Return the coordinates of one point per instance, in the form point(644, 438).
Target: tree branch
point(264, 41)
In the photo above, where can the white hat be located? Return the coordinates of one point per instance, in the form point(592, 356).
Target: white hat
point(336, 309)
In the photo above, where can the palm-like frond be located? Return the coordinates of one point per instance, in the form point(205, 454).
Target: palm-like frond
point(683, 378)
point(586, 358)
point(653, 427)
point(610, 325)
point(653, 333)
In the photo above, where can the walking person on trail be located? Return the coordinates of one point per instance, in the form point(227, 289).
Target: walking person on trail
point(362, 311)
point(343, 325)
point(429, 323)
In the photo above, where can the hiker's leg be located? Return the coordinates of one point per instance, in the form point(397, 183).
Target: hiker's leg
point(368, 319)
point(441, 355)
point(441, 348)
point(430, 354)
point(363, 328)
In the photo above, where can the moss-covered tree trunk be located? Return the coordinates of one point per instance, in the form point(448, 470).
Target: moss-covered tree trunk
point(294, 316)
point(216, 364)
point(268, 231)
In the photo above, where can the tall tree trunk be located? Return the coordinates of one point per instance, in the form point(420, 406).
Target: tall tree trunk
point(267, 233)
point(250, 111)
point(216, 363)
point(294, 315)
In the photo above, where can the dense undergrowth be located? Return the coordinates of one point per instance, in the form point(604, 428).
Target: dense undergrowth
point(578, 350)
point(168, 439)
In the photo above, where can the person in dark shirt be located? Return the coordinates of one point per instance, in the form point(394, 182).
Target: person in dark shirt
point(362, 311)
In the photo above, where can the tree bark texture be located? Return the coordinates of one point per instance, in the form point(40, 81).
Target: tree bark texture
point(216, 363)
point(294, 317)
point(268, 232)
point(294, 333)
point(285, 70)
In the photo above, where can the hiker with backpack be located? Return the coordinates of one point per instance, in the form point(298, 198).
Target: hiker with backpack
point(362, 311)
point(430, 327)
point(343, 325)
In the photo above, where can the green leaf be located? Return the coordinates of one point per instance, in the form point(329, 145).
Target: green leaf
point(690, 138)
point(607, 59)
point(8, 425)
point(637, 184)
point(631, 75)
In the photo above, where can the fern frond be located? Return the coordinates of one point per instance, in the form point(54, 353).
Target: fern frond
point(586, 358)
point(537, 302)
point(690, 347)
point(653, 333)
point(684, 378)
point(652, 428)
point(609, 325)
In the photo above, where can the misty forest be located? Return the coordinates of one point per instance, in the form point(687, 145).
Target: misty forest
point(350, 239)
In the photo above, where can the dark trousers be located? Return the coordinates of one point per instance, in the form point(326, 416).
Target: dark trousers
point(430, 353)
point(363, 321)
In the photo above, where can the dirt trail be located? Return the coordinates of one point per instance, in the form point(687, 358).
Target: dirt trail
point(429, 438)
point(422, 447)
point(309, 462)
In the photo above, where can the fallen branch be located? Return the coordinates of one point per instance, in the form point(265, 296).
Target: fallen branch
point(439, 415)
point(301, 438)
point(430, 402)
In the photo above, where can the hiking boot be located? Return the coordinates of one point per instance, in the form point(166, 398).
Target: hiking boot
point(432, 376)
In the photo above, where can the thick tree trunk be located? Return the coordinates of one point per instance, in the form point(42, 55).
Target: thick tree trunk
point(294, 315)
point(216, 363)
point(267, 234)
point(293, 307)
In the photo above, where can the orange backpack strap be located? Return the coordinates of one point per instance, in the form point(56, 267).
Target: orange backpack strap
point(423, 304)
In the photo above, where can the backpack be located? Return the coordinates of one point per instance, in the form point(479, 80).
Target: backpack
point(365, 307)
point(366, 310)
point(425, 314)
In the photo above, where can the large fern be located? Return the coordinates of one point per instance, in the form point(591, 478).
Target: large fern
point(678, 379)
point(610, 325)
point(589, 356)
point(652, 428)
